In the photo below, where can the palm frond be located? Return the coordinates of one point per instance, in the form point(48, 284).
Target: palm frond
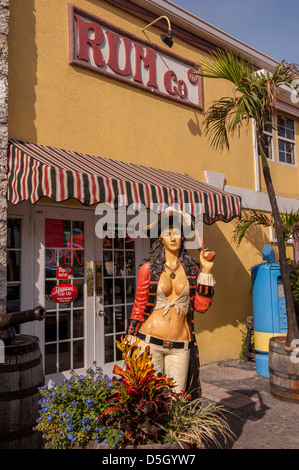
point(255, 93)
point(254, 218)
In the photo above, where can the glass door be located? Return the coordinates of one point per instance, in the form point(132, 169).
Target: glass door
point(120, 259)
point(69, 257)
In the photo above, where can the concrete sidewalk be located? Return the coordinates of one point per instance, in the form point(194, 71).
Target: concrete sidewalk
point(258, 420)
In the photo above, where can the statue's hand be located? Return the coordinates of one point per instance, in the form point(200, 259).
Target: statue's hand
point(207, 260)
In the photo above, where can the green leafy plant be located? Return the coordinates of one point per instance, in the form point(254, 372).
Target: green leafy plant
point(197, 422)
point(243, 329)
point(141, 403)
point(294, 277)
point(70, 411)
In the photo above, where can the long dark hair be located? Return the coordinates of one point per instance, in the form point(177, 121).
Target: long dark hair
point(156, 257)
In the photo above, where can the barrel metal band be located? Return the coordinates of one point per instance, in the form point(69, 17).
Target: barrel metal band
point(19, 394)
point(20, 365)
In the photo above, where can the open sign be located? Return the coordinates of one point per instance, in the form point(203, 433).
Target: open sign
point(64, 293)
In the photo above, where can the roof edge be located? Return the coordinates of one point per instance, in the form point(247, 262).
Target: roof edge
point(210, 33)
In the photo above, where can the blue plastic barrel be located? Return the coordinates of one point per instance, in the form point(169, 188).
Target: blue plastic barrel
point(269, 310)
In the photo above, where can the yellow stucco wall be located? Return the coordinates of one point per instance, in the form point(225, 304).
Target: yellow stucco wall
point(56, 104)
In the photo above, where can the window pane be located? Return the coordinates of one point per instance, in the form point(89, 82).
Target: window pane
point(130, 293)
point(13, 233)
point(67, 233)
point(64, 324)
point(108, 264)
point(78, 323)
point(78, 235)
point(78, 354)
point(50, 264)
point(118, 352)
point(129, 243)
point(65, 356)
point(109, 349)
point(13, 299)
point(120, 318)
point(130, 263)
point(79, 302)
point(50, 327)
point(13, 265)
point(118, 243)
point(119, 263)
point(78, 263)
point(108, 320)
point(50, 359)
point(281, 156)
point(49, 303)
point(108, 291)
point(119, 291)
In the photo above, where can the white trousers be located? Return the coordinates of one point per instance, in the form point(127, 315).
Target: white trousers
point(170, 362)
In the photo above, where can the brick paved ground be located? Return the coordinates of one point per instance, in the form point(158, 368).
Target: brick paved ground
point(258, 420)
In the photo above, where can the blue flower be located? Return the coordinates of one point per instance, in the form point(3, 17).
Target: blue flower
point(53, 384)
point(63, 394)
point(53, 394)
point(110, 384)
point(69, 387)
point(72, 379)
point(69, 427)
point(84, 420)
point(45, 408)
point(81, 377)
point(63, 414)
point(49, 418)
point(89, 402)
point(70, 437)
point(106, 377)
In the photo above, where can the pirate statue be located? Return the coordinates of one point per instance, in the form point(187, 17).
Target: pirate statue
point(170, 288)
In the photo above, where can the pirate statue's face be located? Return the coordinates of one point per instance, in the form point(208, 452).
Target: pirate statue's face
point(171, 239)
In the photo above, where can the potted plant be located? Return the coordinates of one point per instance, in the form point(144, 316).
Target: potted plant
point(139, 409)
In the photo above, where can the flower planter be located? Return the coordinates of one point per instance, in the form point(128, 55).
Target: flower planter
point(284, 371)
point(167, 445)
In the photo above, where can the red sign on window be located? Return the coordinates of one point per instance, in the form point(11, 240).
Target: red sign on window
point(54, 233)
point(64, 293)
point(64, 272)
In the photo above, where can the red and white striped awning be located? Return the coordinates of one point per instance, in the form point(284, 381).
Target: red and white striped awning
point(36, 171)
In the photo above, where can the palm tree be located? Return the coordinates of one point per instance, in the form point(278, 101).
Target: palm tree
point(255, 96)
point(289, 222)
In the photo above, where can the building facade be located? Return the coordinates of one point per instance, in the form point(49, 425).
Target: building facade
point(99, 108)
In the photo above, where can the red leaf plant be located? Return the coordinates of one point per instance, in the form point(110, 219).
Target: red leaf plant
point(140, 407)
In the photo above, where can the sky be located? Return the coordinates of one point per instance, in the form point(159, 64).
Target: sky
point(270, 26)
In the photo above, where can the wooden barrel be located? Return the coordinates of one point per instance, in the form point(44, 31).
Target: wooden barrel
point(284, 371)
point(20, 377)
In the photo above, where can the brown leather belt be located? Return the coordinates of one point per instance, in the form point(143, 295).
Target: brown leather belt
point(163, 342)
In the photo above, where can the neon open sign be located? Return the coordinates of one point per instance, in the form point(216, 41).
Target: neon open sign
point(101, 47)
